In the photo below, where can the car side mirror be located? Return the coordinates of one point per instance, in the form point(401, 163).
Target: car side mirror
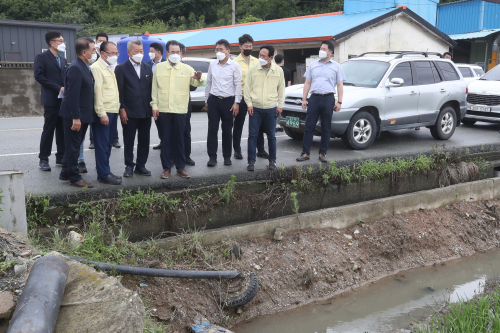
point(395, 82)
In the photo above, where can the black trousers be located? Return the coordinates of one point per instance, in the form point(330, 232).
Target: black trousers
point(141, 127)
point(172, 139)
point(72, 142)
point(52, 123)
point(187, 133)
point(113, 134)
point(239, 122)
point(219, 111)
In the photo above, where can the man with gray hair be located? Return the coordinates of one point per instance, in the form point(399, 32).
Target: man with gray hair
point(134, 79)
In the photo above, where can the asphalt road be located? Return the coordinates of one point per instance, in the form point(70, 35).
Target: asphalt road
point(19, 144)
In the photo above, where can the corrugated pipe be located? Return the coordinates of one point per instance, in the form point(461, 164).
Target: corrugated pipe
point(38, 305)
point(241, 300)
point(132, 270)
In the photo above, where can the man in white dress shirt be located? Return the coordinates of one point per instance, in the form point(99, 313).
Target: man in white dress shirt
point(222, 98)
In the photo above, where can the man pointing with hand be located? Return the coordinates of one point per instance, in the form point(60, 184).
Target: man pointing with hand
point(170, 94)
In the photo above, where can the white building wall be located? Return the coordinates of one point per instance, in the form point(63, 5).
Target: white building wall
point(399, 33)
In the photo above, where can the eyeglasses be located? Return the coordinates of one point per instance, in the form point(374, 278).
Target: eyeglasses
point(220, 50)
point(58, 40)
point(112, 53)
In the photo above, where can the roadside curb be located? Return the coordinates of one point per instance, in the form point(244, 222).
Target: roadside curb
point(346, 216)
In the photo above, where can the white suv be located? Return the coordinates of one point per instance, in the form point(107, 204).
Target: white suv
point(388, 91)
point(483, 98)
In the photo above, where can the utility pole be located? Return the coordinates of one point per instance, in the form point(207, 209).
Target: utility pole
point(234, 12)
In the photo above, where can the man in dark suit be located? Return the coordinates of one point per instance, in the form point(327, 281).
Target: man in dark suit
point(50, 68)
point(134, 79)
point(156, 56)
point(77, 109)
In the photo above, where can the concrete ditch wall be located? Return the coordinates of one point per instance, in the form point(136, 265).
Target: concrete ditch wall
point(246, 210)
point(349, 215)
point(20, 92)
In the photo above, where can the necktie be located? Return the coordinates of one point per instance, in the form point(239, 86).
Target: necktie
point(59, 61)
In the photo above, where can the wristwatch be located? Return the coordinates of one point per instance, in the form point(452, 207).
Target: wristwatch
point(339, 102)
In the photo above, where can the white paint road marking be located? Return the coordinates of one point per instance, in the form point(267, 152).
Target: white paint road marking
point(53, 152)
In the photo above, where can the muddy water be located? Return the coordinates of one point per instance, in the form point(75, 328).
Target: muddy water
point(389, 304)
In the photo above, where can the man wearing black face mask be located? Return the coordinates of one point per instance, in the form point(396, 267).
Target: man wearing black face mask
point(245, 60)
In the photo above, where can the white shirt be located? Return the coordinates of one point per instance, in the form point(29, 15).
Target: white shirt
point(137, 67)
point(224, 80)
point(108, 66)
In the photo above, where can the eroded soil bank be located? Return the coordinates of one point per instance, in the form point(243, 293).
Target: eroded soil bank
point(313, 265)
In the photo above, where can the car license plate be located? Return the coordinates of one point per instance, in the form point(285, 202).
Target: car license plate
point(292, 122)
point(480, 108)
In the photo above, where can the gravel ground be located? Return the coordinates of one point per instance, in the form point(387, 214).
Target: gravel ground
point(314, 265)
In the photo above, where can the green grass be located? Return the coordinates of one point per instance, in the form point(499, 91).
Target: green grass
point(478, 315)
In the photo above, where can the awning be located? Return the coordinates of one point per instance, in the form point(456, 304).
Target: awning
point(473, 35)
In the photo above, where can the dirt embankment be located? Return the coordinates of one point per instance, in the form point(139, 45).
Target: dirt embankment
point(311, 265)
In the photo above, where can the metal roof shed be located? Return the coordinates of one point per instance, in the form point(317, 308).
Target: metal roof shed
point(378, 30)
point(21, 41)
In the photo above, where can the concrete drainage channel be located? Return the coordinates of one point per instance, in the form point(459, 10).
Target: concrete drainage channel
point(349, 215)
point(246, 209)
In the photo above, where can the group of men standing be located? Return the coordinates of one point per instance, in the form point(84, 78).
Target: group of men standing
point(94, 91)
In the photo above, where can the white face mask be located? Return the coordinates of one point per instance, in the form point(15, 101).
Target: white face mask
point(221, 56)
point(152, 56)
point(263, 62)
point(322, 54)
point(61, 47)
point(98, 46)
point(174, 58)
point(93, 57)
point(112, 60)
point(137, 57)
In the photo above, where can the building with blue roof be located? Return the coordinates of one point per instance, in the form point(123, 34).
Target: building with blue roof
point(475, 25)
point(299, 38)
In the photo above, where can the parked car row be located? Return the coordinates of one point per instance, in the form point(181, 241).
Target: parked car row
point(389, 91)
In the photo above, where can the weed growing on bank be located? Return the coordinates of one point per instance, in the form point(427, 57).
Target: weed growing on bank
point(102, 222)
point(477, 315)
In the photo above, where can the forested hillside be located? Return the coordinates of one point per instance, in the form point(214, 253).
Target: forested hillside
point(138, 16)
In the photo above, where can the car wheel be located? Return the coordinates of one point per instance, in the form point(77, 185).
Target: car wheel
point(466, 121)
point(445, 124)
point(293, 134)
point(361, 131)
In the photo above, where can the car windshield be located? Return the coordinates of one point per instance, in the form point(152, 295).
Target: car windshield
point(492, 75)
point(479, 70)
point(364, 73)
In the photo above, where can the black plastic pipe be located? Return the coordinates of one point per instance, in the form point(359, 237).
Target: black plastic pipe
point(132, 270)
point(38, 305)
